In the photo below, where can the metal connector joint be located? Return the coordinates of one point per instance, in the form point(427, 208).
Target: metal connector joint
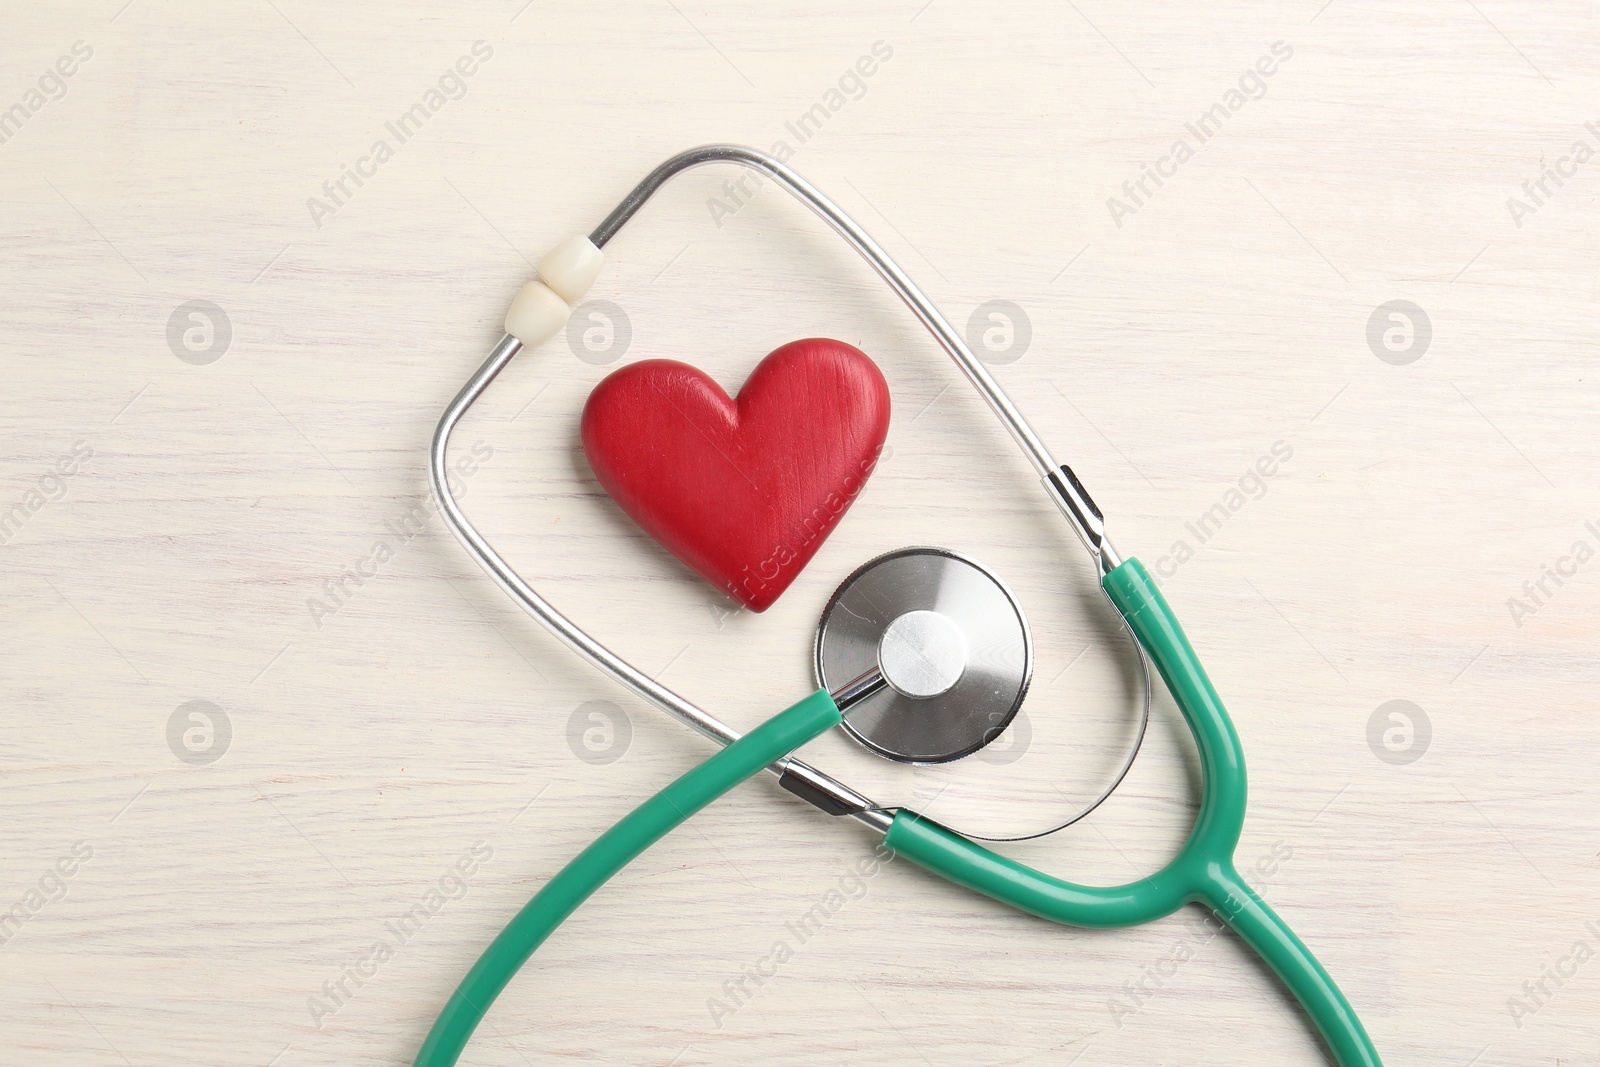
point(822, 792)
point(1083, 513)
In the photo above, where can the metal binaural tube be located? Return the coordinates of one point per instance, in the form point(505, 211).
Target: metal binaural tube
point(869, 250)
point(506, 577)
point(1068, 494)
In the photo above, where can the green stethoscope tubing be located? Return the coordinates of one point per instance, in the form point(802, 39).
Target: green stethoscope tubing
point(1201, 873)
point(608, 854)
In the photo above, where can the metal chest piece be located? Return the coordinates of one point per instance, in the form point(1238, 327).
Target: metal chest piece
point(950, 641)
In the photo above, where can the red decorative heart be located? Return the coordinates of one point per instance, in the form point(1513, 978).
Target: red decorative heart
point(744, 491)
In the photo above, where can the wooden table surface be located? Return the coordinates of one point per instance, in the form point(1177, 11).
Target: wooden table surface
point(279, 760)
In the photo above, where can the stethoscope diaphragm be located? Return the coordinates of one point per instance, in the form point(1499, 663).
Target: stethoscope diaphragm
point(950, 640)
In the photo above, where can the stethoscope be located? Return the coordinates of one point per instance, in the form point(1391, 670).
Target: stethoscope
point(895, 658)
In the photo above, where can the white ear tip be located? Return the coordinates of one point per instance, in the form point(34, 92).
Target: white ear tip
point(571, 267)
point(537, 314)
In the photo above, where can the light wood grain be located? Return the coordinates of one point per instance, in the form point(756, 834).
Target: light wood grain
point(372, 746)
